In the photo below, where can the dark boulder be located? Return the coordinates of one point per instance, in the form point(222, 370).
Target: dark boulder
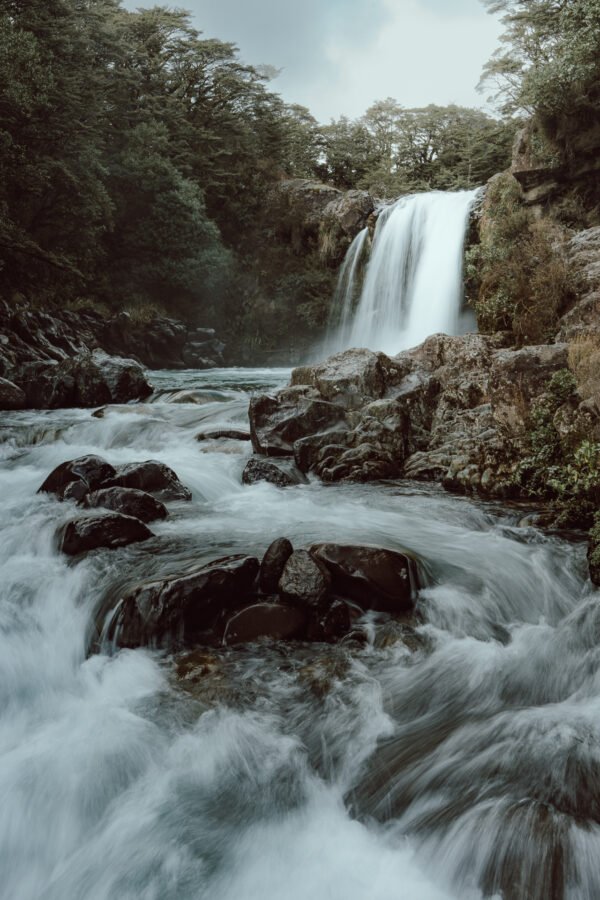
point(330, 623)
point(109, 532)
point(11, 396)
point(218, 434)
point(304, 581)
point(153, 477)
point(265, 470)
point(129, 501)
point(375, 578)
point(84, 474)
point(272, 620)
point(184, 605)
point(273, 564)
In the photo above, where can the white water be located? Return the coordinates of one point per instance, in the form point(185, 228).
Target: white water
point(413, 283)
point(449, 774)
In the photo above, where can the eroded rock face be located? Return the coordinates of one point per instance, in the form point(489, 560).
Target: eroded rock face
point(375, 578)
point(150, 476)
point(129, 501)
point(86, 472)
point(583, 257)
point(178, 607)
point(108, 532)
point(304, 581)
point(11, 396)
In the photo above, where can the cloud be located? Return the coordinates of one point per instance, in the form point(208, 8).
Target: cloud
point(338, 56)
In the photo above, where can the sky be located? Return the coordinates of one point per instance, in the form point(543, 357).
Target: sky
point(339, 56)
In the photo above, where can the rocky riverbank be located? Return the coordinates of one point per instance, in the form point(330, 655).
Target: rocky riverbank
point(74, 358)
point(474, 412)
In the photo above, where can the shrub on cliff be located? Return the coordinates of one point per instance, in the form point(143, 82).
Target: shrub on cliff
point(584, 362)
point(563, 464)
point(517, 274)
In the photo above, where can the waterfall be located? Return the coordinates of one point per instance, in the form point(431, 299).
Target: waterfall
point(413, 284)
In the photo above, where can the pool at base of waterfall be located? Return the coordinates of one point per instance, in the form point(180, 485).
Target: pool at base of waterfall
point(463, 764)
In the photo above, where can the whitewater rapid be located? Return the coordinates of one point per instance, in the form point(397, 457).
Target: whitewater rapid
point(410, 284)
point(454, 771)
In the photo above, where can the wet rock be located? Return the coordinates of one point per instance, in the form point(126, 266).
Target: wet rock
point(89, 379)
point(81, 475)
point(305, 580)
point(271, 620)
point(351, 377)
point(593, 555)
point(108, 532)
point(265, 470)
point(11, 396)
point(129, 501)
point(183, 606)
point(153, 477)
point(277, 422)
point(273, 564)
point(229, 434)
point(375, 578)
point(331, 623)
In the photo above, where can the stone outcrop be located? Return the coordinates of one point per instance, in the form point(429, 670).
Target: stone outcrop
point(544, 173)
point(311, 215)
point(454, 409)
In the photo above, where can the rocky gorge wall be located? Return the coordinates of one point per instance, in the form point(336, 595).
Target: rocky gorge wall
point(82, 358)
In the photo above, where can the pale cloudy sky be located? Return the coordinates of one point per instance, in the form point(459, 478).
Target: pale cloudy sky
point(338, 56)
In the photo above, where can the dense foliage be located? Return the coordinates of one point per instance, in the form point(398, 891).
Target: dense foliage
point(549, 66)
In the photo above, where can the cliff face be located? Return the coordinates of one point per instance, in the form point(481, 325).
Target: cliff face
point(548, 176)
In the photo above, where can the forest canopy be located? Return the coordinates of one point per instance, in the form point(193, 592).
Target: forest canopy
point(136, 155)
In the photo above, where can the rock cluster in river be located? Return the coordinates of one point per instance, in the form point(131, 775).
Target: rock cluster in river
point(128, 496)
point(310, 595)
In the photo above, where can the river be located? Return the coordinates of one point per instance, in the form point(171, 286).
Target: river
point(463, 766)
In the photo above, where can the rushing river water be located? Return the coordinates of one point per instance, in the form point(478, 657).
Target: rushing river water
point(465, 766)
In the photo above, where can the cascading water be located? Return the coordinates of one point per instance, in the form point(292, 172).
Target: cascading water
point(464, 768)
point(413, 284)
